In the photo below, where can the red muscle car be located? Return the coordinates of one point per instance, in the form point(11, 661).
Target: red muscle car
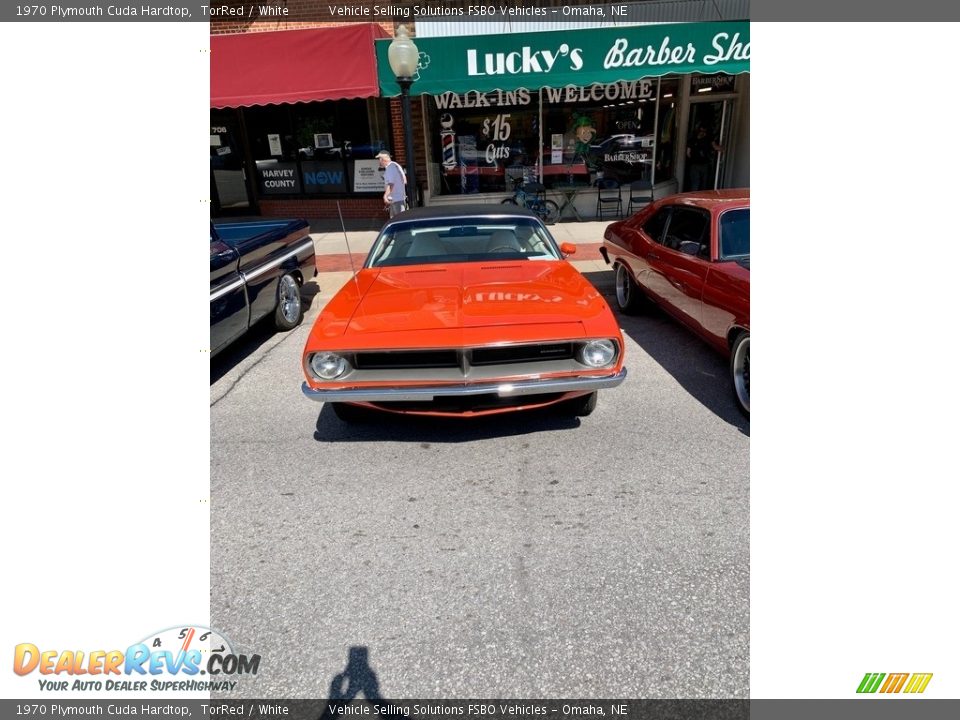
point(460, 311)
point(690, 254)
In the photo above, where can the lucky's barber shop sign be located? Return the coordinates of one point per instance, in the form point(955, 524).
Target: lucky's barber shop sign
point(575, 57)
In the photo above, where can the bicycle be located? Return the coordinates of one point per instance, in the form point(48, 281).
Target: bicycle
point(530, 196)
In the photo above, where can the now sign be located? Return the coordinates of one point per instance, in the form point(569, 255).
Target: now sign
point(324, 177)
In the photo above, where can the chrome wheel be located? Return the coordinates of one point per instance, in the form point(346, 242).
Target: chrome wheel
point(628, 293)
point(289, 311)
point(289, 299)
point(740, 371)
point(623, 286)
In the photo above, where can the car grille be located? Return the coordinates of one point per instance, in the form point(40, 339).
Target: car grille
point(407, 359)
point(521, 353)
point(503, 355)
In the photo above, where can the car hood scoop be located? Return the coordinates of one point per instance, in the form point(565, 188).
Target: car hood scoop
point(469, 295)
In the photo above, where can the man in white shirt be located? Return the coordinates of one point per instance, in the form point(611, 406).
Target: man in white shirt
point(394, 179)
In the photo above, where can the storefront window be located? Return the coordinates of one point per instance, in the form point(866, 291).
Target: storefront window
point(226, 162)
point(485, 142)
point(318, 148)
point(667, 124)
point(270, 133)
point(605, 131)
point(482, 142)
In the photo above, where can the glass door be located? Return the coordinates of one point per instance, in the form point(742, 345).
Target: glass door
point(229, 186)
point(707, 144)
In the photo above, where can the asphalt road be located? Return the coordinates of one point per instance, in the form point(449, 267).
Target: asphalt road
point(530, 556)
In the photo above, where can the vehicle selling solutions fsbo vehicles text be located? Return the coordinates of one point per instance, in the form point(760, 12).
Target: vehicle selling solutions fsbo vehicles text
point(425, 10)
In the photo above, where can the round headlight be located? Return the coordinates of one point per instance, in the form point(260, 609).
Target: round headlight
point(598, 353)
point(328, 365)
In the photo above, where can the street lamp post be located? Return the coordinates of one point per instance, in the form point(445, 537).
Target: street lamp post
point(404, 56)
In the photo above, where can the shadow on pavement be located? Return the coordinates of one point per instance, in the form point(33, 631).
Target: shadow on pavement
point(700, 370)
point(255, 337)
point(379, 426)
point(358, 678)
point(604, 281)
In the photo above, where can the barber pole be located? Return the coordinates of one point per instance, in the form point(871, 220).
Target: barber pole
point(448, 142)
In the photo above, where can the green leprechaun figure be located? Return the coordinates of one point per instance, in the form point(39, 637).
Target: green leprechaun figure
point(584, 132)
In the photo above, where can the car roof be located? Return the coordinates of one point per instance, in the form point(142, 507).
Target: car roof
point(712, 199)
point(460, 212)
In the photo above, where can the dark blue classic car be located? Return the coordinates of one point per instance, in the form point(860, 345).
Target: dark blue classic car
point(256, 271)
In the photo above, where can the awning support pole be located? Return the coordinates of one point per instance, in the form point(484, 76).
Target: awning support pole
point(540, 146)
point(408, 139)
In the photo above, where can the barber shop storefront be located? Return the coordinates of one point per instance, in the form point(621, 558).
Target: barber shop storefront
point(661, 107)
point(291, 135)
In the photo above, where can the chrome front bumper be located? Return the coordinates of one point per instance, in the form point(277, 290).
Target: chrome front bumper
point(428, 393)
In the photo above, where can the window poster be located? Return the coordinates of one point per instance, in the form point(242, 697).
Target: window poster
point(274, 141)
point(367, 176)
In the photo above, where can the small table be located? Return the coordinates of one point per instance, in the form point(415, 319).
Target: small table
point(569, 192)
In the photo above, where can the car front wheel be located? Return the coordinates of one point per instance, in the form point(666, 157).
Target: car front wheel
point(583, 406)
point(740, 372)
point(628, 293)
point(350, 413)
point(289, 312)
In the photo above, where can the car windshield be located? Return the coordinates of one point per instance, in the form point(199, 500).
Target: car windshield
point(467, 240)
point(735, 234)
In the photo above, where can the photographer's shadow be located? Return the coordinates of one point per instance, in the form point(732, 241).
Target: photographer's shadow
point(357, 680)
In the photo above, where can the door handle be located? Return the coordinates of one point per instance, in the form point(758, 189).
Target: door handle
point(653, 256)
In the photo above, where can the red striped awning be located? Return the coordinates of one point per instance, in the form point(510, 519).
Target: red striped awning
point(290, 66)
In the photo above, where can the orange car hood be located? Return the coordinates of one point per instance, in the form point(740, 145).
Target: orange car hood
point(474, 295)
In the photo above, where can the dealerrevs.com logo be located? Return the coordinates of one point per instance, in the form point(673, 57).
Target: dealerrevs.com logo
point(182, 659)
point(894, 683)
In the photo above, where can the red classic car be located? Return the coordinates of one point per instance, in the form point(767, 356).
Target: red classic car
point(690, 254)
point(464, 310)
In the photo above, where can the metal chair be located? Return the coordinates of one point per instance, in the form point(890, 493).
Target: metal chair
point(640, 193)
point(608, 196)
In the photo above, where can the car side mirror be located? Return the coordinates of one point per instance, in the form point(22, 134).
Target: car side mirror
point(688, 247)
point(568, 249)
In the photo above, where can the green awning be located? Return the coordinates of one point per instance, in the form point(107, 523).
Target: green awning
point(559, 58)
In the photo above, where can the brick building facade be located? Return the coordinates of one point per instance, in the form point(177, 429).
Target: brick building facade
point(314, 14)
point(566, 131)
